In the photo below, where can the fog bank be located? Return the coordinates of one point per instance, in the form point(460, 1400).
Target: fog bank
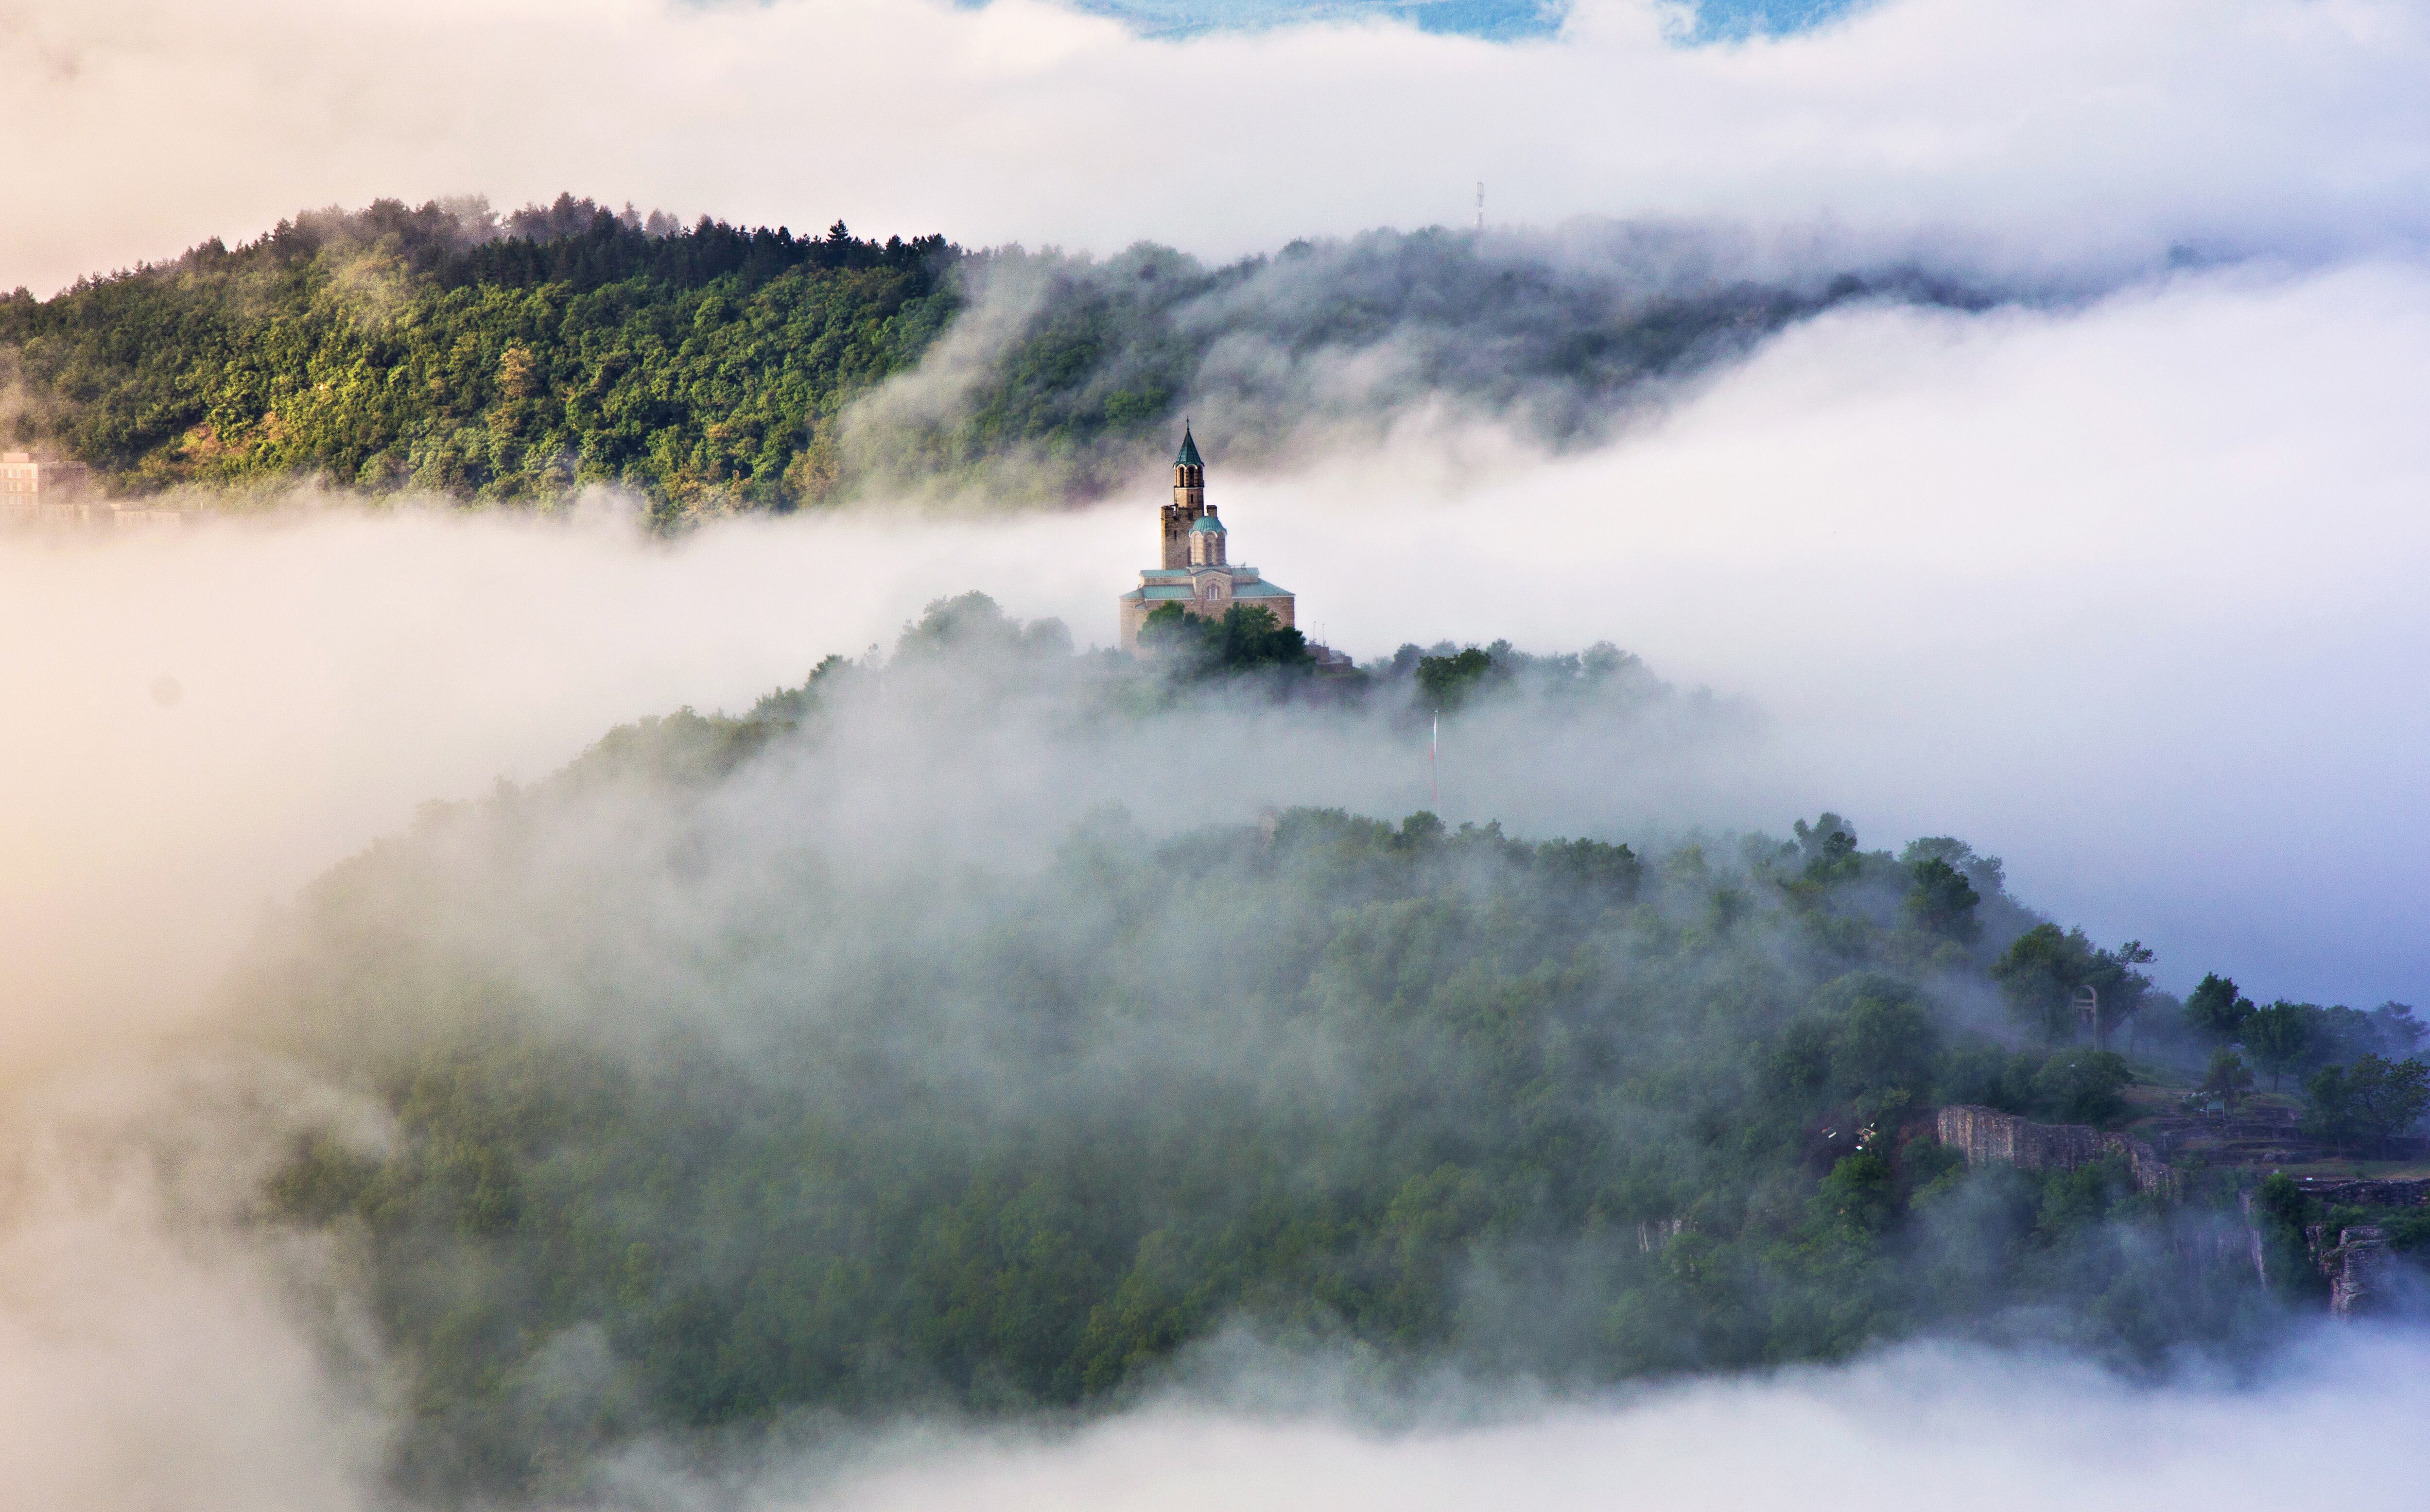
point(2124, 594)
point(1554, 343)
point(154, 1350)
point(123, 1290)
point(1920, 1428)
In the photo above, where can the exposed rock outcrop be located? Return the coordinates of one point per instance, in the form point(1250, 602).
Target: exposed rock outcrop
point(1987, 1136)
point(2361, 1269)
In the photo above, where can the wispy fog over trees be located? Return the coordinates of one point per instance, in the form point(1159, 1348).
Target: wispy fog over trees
point(707, 1111)
point(449, 350)
point(1071, 371)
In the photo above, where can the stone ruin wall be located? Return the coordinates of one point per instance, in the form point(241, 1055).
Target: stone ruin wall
point(2368, 1192)
point(1988, 1136)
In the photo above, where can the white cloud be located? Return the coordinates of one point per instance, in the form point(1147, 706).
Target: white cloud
point(1918, 1430)
point(154, 1351)
point(2046, 135)
point(2127, 595)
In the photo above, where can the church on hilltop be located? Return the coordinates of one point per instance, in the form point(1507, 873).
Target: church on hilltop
point(1197, 575)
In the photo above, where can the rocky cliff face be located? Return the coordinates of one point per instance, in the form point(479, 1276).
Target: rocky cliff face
point(2361, 1270)
point(1986, 1136)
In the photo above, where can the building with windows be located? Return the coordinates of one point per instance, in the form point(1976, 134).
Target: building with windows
point(39, 490)
point(1198, 575)
point(35, 488)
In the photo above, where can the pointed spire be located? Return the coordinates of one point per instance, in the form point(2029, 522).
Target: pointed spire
point(1189, 456)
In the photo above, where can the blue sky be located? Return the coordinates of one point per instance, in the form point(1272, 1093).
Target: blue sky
point(1475, 18)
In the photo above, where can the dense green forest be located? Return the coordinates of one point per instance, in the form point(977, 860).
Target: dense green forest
point(711, 1108)
point(447, 350)
point(432, 349)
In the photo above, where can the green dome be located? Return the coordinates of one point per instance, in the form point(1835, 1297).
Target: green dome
point(1206, 522)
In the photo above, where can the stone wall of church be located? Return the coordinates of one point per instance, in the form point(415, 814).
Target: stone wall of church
point(1135, 613)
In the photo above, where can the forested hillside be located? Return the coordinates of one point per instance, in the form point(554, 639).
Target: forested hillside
point(716, 1099)
point(446, 350)
point(437, 350)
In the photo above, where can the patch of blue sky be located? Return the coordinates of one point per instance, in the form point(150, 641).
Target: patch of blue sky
point(1501, 19)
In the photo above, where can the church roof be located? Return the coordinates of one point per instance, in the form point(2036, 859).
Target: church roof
point(1183, 593)
point(1206, 522)
point(1189, 456)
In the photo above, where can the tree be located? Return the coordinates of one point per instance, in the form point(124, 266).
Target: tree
point(2341, 1032)
point(2328, 1108)
point(1446, 682)
point(1170, 628)
point(1942, 902)
point(2281, 1036)
point(2038, 973)
point(2399, 1030)
point(2084, 1087)
point(1984, 872)
point(1829, 846)
point(1247, 639)
point(2228, 1079)
point(2213, 1010)
point(1249, 636)
point(2042, 968)
point(2386, 1098)
point(2112, 974)
point(972, 626)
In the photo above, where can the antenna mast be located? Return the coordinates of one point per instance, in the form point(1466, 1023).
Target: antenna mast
point(1480, 204)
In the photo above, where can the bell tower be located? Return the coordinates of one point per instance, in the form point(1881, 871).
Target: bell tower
point(1189, 504)
point(1198, 579)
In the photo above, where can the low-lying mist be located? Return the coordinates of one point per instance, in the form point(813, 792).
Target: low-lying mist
point(1916, 1429)
point(2122, 594)
point(763, 1112)
point(151, 1354)
point(1062, 374)
point(976, 1024)
point(755, 1084)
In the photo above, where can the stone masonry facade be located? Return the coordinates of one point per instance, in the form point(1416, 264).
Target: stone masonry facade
point(1988, 1137)
point(1197, 573)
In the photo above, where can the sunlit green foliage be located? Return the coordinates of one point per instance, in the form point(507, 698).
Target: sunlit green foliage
point(401, 348)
